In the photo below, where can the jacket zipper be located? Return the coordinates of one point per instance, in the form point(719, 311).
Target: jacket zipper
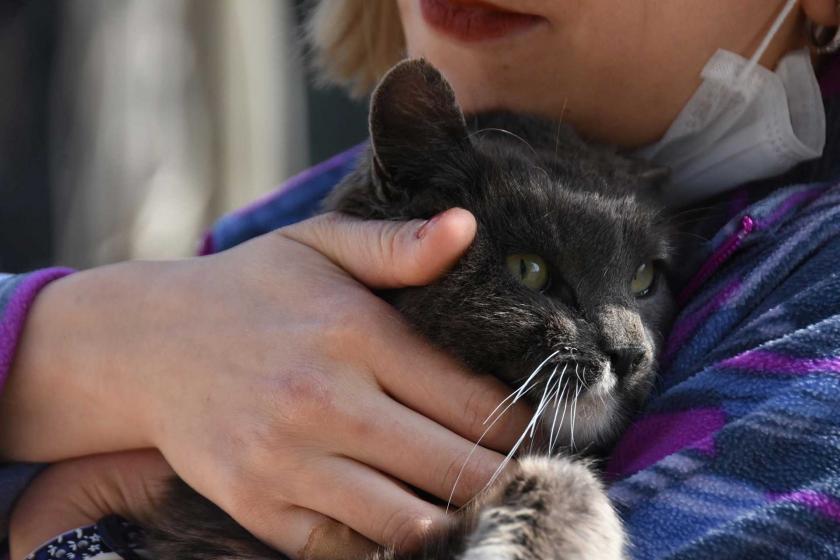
point(714, 262)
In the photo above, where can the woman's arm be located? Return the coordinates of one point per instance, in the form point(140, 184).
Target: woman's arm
point(17, 293)
point(80, 492)
point(268, 366)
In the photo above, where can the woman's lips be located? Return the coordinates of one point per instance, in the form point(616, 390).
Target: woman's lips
point(471, 20)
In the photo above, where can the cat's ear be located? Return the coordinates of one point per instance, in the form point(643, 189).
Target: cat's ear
point(415, 123)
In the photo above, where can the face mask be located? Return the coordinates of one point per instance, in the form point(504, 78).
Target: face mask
point(743, 123)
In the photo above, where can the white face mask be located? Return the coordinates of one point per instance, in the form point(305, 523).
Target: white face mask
point(743, 123)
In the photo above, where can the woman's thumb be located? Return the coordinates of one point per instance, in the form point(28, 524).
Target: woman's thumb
point(388, 254)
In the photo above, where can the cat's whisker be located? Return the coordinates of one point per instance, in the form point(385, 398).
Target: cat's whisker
point(539, 368)
point(560, 425)
point(559, 122)
point(506, 399)
point(503, 131)
point(543, 402)
point(581, 378)
point(601, 394)
point(477, 443)
point(551, 431)
point(508, 407)
point(529, 428)
point(516, 395)
point(574, 415)
point(695, 236)
point(559, 396)
point(702, 210)
point(514, 135)
point(566, 399)
point(520, 392)
point(507, 458)
point(524, 388)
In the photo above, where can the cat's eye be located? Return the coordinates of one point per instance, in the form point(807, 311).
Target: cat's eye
point(642, 282)
point(530, 270)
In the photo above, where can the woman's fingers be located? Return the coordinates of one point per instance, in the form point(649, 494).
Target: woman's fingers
point(376, 508)
point(408, 446)
point(304, 534)
point(437, 386)
point(371, 503)
point(386, 254)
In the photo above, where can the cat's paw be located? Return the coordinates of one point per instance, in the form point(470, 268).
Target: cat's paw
point(548, 509)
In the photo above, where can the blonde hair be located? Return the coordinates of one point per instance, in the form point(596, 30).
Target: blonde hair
point(354, 42)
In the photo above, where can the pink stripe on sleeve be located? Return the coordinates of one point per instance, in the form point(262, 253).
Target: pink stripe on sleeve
point(14, 308)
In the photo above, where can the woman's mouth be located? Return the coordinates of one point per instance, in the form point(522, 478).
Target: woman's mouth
point(474, 20)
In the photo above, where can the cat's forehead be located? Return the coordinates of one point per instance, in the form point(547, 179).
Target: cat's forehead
point(538, 211)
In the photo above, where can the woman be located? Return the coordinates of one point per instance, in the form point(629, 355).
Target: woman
point(242, 371)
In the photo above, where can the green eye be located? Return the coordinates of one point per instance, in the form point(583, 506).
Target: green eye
point(643, 280)
point(531, 270)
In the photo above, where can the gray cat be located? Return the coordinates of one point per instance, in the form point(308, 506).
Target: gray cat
point(561, 295)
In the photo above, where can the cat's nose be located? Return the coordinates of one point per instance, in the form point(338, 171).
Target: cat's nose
point(626, 359)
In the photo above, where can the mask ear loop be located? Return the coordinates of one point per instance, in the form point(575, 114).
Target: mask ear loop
point(762, 48)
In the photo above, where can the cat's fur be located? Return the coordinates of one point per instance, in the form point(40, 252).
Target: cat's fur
point(534, 188)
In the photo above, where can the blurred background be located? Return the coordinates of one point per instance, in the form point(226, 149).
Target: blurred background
point(128, 126)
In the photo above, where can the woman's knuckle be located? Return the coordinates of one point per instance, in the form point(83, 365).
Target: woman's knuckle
point(453, 472)
point(475, 410)
point(238, 494)
point(363, 427)
point(303, 396)
point(387, 252)
point(404, 528)
point(466, 475)
point(249, 484)
point(317, 229)
point(389, 243)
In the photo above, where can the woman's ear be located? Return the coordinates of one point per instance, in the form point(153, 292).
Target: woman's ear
point(822, 12)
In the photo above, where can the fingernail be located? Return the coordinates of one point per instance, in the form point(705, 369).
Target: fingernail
point(426, 226)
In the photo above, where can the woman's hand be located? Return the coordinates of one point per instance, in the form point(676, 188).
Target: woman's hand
point(270, 377)
point(80, 492)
